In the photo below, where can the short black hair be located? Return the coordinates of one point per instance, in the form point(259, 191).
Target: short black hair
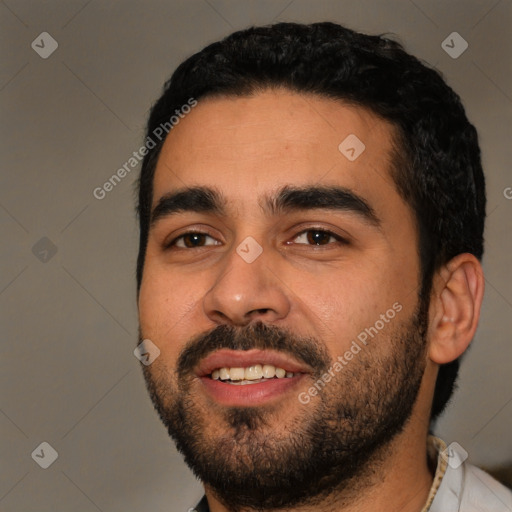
point(437, 166)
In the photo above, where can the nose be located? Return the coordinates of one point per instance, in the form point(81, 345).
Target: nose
point(247, 292)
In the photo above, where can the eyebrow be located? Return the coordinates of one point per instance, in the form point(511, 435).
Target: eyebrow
point(191, 199)
point(286, 200)
point(331, 197)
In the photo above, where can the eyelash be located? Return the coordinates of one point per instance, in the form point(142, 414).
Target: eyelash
point(339, 239)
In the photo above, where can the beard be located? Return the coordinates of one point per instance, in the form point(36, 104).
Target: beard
point(327, 446)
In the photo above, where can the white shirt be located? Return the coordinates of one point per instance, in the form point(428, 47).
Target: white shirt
point(464, 487)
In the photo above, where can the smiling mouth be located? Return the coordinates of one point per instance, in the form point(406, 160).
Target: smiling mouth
point(253, 374)
point(249, 378)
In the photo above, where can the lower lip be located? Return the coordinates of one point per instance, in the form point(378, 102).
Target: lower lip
point(249, 394)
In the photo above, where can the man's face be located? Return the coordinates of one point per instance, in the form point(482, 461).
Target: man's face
point(277, 277)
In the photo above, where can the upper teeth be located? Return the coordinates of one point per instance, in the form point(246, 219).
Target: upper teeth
point(255, 372)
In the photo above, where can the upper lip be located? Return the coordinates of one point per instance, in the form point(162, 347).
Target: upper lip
point(244, 358)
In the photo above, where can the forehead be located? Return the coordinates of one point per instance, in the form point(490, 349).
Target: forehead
point(249, 145)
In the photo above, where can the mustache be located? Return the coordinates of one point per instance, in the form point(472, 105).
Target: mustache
point(257, 335)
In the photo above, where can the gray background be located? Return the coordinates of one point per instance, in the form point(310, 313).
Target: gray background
point(68, 373)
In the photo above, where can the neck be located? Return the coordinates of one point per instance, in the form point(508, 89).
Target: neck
point(397, 478)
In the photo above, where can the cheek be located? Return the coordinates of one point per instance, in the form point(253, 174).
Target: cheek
point(152, 300)
point(163, 310)
point(338, 302)
point(344, 302)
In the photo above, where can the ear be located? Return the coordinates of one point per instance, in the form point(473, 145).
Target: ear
point(457, 294)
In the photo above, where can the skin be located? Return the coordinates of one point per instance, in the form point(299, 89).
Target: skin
point(248, 148)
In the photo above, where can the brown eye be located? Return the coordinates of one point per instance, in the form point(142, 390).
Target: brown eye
point(316, 237)
point(192, 240)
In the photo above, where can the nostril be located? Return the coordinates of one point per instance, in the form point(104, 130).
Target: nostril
point(258, 312)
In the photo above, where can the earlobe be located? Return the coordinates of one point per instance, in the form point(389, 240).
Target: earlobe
point(455, 307)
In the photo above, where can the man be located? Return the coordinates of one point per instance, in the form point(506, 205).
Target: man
point(309, 269)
